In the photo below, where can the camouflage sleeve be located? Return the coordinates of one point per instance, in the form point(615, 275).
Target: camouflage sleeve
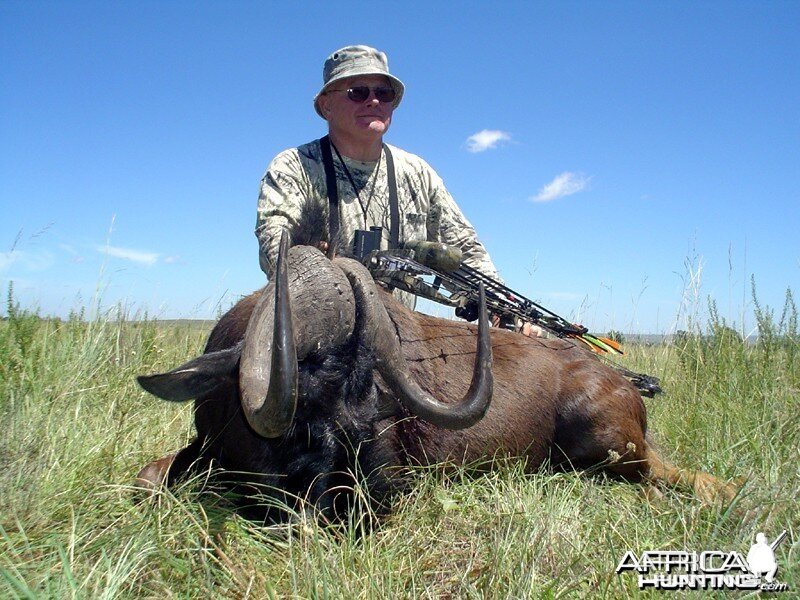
point(448, 225)
point(283, 195)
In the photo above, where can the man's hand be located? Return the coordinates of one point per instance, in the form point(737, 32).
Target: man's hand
point(521, 326)
point(532, 330)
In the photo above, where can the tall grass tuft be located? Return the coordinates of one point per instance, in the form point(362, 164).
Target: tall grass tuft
point(76, 429)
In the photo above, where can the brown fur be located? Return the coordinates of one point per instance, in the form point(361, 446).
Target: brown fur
point(553, 401)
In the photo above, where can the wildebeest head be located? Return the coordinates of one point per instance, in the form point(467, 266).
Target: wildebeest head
point(313, 306)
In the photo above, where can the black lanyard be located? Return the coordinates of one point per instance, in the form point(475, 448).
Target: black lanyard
point(333, 196)
point(364, 208)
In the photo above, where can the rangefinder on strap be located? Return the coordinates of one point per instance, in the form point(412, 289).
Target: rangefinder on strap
point(365, 242)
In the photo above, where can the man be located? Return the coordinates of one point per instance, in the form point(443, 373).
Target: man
point(357, 99)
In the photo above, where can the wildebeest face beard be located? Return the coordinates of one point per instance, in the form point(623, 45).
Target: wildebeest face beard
point(332, 443)
point(331, 447)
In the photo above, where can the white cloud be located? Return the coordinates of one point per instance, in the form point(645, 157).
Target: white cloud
point(486, 140)
point(76, 257)
point(27, 261)
point(565, 184)
point(137, 256)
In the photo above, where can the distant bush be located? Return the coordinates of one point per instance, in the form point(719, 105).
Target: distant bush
point(22, 326)
point(720, 350)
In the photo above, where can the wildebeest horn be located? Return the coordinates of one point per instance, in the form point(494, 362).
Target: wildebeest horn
point(380, 333)
point(271, 413)
point(313, 310)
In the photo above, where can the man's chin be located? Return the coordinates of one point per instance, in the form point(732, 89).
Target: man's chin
point(378, 127)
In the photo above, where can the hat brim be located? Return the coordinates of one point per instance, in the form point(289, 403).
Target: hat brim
point(398, 86)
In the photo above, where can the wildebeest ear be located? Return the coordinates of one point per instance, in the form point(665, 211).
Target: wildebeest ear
point(195, 378)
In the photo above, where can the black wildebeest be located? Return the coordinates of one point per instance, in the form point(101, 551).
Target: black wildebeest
point(323, 374)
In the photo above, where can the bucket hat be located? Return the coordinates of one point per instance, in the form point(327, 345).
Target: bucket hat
point(352, 61)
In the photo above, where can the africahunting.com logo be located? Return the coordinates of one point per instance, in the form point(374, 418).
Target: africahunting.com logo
point(708, 570)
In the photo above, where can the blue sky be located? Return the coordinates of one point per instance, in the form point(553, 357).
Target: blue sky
point(604, 151)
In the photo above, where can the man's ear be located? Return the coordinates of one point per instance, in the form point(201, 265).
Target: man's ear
point(324, 105)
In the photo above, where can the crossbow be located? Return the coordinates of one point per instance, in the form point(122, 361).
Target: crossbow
point(435, 271)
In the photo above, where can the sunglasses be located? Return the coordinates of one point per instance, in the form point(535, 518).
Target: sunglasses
point(360, 93)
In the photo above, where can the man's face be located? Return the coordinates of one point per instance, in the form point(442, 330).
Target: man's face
point(368, 119)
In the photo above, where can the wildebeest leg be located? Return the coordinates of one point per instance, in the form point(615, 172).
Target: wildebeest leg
point(706, 487)
point(167, 469)
point(608, 430)
point(602, 429)
point(634, 459)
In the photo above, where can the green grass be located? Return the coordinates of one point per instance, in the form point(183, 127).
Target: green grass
point(76, 429)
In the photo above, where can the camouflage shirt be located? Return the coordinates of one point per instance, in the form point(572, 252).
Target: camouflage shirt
point(294, 196)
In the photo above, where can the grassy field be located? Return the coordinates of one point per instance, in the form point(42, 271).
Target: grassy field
point(76, 429)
